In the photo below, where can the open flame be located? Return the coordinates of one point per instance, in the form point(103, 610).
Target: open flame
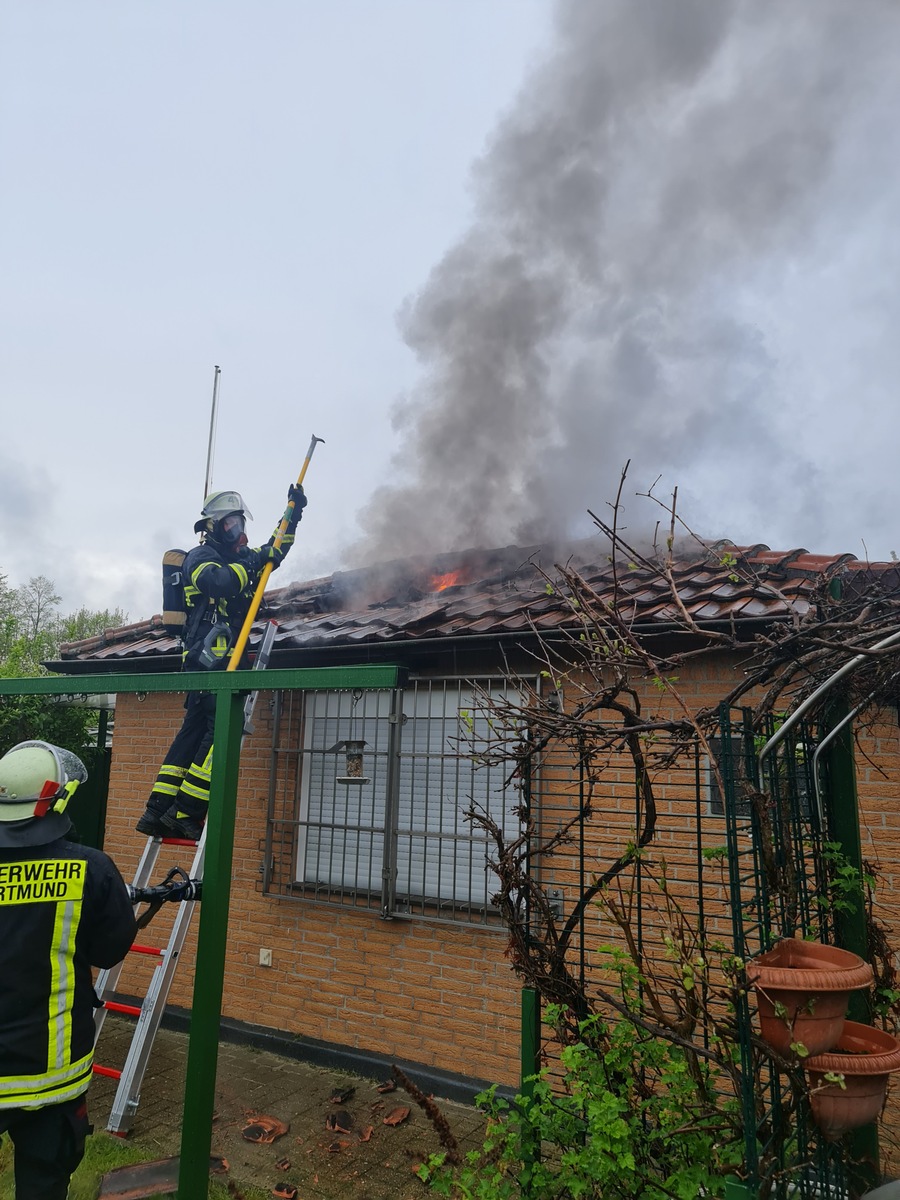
point(440, 583)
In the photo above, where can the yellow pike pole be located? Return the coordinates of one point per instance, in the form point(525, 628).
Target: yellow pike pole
point(241, 644)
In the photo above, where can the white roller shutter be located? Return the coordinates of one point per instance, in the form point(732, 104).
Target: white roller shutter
point(440, 856)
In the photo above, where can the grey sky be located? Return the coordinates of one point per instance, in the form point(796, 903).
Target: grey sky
point(608, 232)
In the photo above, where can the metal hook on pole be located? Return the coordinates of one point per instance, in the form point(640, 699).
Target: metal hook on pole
point(241, 644)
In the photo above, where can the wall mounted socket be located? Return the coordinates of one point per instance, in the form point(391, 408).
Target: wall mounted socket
point(265, 957)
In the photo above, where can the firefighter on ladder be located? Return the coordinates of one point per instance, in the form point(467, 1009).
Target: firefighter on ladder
point(220, 577)
point(64, 908)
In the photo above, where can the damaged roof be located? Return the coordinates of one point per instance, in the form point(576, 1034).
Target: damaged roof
point(491, 593)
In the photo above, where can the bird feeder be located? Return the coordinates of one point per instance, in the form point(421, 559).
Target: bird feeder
point(353, 760)
point(352, 747)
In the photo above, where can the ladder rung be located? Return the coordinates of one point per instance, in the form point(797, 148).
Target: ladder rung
point(174, 841)
point(137, 948)
point(110, 1072)
point(115, 1006)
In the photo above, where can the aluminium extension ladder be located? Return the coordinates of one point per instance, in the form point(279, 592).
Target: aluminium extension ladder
point(150, 1012)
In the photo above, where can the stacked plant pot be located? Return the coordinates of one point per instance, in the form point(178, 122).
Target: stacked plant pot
point(802, 992)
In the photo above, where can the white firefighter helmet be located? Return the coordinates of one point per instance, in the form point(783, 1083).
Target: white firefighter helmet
point(37, 781)
point(224, 520)
point(220, 504)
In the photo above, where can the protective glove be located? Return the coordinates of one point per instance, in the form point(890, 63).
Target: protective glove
point(268, 554)
point(297, 496)
point(292, 515)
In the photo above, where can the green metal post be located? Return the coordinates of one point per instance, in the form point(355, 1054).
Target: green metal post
point(843, 821)
point(531, 1038)
point(209, 979)
point(850, 926)
point(530, 1066)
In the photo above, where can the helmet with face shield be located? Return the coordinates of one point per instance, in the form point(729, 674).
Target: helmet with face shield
point(37, 780)
point(224, 519)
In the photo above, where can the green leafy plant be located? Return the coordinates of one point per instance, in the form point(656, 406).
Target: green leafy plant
point(846, 886)
point(632, 1113)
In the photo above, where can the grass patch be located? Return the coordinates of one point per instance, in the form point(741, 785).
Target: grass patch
point(104, 1153)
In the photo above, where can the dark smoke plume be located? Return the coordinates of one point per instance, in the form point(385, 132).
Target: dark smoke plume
point(666, 157)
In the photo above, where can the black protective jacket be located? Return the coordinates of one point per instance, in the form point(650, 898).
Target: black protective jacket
point(64, 908)
point(218, 591)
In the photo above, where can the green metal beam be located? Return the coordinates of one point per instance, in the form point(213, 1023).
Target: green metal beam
point(300, 678)
point(209, 976)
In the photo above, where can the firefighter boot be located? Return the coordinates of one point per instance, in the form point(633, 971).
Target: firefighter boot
point(180, 823)
point(150, 821)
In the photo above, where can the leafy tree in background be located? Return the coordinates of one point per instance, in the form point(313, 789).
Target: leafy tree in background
point(86, 623)
point(31, 632)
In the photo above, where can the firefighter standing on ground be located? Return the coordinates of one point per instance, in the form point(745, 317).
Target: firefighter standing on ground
point(219, 579)
point(64, 908)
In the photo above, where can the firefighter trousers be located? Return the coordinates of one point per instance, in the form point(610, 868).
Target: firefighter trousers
point(183, 779)
point(48, 1144)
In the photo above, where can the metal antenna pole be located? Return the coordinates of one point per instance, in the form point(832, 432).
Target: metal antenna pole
point(212, 434)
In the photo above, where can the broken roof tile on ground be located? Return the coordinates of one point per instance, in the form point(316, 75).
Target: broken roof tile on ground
point(490, 593)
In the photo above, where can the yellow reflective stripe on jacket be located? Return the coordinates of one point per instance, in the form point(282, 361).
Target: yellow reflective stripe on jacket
point(52, 1087)
point(240, 571)
point(191, 591)
point(62, 984)
point(60, 881)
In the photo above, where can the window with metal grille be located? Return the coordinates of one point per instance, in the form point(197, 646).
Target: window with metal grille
point(383, 784)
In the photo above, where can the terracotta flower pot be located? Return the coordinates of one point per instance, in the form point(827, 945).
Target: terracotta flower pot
point(865, 1056)
point(802, 992)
